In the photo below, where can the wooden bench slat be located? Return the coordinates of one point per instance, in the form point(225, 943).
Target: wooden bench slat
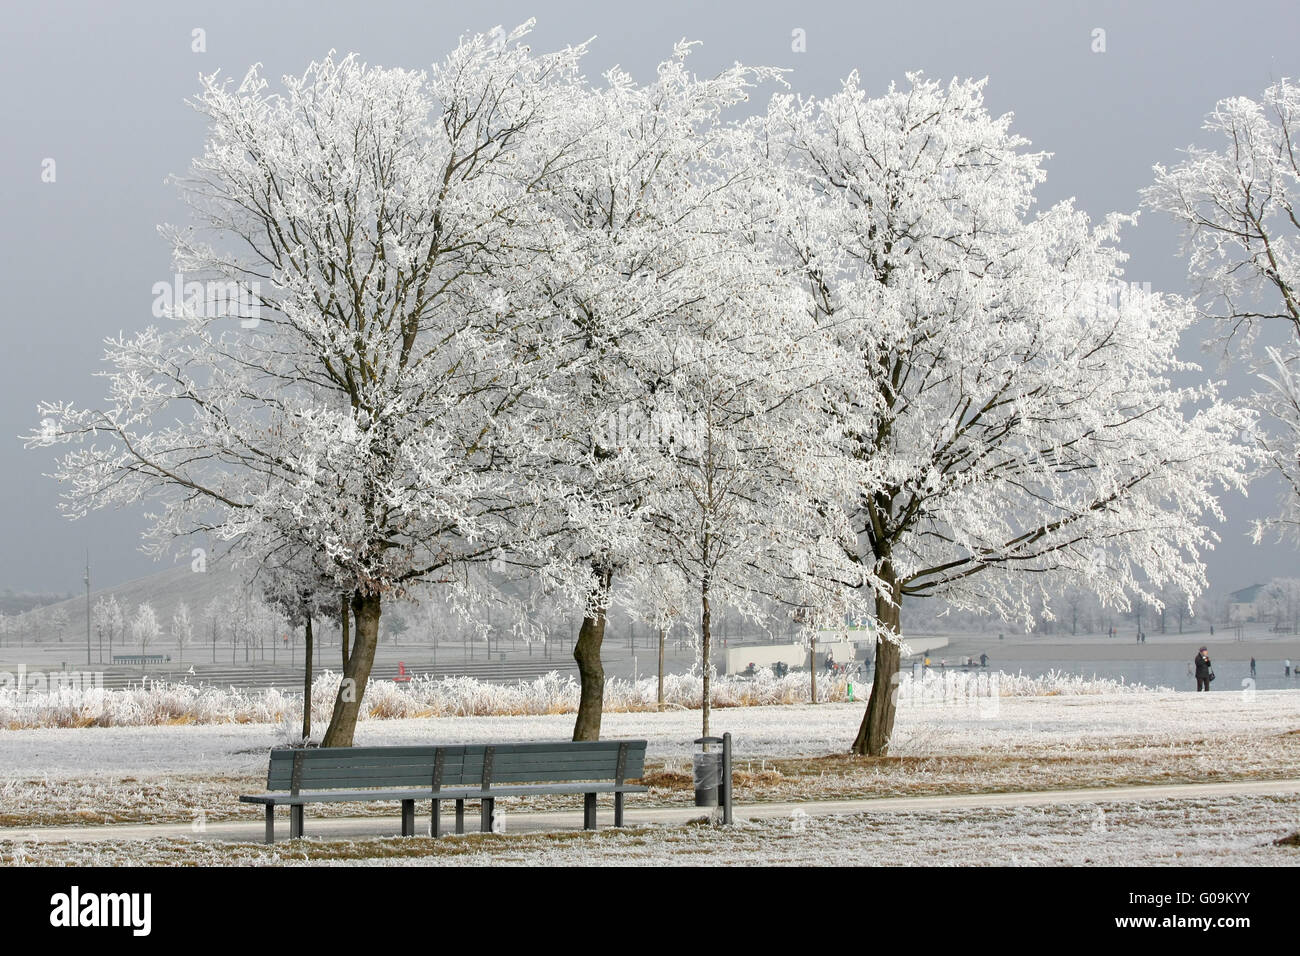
point(548, 746)
point(556, 764)
point(322, 753)
point(469, 794)
point(296, 777)
point(361, 796)
point(544, 776)
point(423, 760)
point(566, 788)
point(426, 767)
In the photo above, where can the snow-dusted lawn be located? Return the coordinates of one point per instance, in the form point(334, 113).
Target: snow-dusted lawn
point(925, 729)
point(1207, 831)
point(170, 773)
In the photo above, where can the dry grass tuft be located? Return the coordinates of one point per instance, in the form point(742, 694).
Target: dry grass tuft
point(668, 780)
point(763, 778)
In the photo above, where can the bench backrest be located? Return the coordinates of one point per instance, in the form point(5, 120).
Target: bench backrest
point(456, 765)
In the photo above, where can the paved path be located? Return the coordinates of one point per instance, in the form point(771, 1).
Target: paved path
point(519, 822)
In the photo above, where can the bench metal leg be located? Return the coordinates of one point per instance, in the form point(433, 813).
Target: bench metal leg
point(408, 818)
point(435, 820)
point(618, 809)
point(589, 811)
point(460, 816)
point(270, 823)
point(295, 821)
point(486, 823)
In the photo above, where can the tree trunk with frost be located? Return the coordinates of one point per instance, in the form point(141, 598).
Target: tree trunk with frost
point(705, 620)
point(356, 672)
point(661, 668)
point(591, 673)
point(343, 619)
point(878, 722)
point(306, 680)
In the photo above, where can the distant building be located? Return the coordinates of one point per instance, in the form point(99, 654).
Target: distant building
point(1243, 605)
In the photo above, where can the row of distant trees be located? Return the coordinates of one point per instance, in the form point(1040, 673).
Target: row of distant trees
point(118, 627)
point(237, 619)
point(428, 621)
point(135, 628)
point(1078, 611)
point(644, 345)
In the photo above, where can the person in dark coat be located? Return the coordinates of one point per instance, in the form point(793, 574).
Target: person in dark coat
point(1202, 669)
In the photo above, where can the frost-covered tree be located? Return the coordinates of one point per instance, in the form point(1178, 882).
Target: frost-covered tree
point(1280, 601)
point(107, 618)
point(295, 584)
point(215, 614)
point(1013, 419)
point(57, 619)
point(182, 627)
point(1281, 442)
point(1238, 205)
point(745, 503)
point(145, 627)
point(659, 596)
point(386, 223)
point(641, 208)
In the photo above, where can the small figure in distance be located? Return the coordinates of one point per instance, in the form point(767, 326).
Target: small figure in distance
point(1204, 672)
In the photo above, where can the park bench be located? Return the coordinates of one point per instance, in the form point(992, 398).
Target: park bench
point(140, 658)
point(483, 772)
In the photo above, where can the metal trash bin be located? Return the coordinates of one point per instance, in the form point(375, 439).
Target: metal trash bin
point(713, 775)
point(708, 778)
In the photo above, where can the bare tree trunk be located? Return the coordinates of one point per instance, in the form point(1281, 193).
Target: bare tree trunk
point(306, 681)
point(591, 673)
point(592, 676)
point(705, 620)
point(343, 617)
point(878, 722)
point(347, 705)
point(812, 666)
point(661, 668)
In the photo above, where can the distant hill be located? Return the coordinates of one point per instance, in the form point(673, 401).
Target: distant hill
point(164, 590)
point(18, 602)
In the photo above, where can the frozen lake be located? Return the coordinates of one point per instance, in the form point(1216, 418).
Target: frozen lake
point(1229, 675)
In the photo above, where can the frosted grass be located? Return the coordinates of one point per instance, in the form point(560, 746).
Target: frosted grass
point(165, 703)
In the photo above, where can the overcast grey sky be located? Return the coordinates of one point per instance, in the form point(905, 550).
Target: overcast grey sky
point(99, 88)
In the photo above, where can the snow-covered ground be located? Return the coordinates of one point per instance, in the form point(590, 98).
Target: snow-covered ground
point(1224, 830)
point(95, 775)
point(924, 727)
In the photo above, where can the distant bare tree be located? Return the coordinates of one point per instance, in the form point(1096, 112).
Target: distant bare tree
point(182, 628)
point(144, 626)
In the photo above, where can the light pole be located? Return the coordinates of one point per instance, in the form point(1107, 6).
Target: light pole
point(87, 607)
